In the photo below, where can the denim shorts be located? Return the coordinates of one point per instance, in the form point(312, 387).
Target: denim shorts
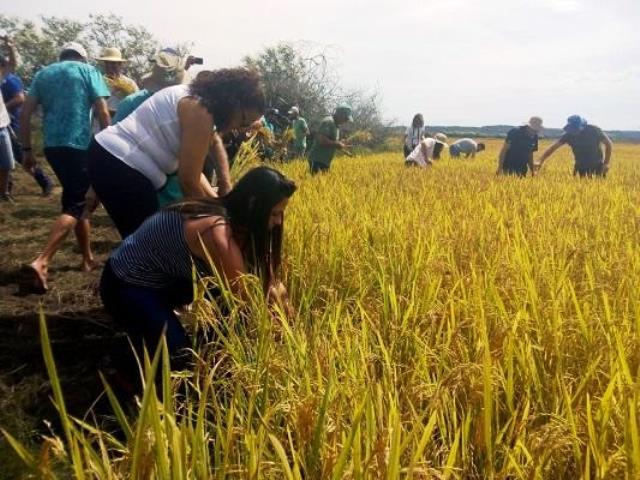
point(7, 161)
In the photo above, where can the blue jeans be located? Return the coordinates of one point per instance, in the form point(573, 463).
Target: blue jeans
point(7, 161)
point(145, 313)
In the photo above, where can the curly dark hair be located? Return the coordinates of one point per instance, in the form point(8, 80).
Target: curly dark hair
point(223, 91)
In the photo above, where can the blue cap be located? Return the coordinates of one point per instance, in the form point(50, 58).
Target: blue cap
point(575, 123)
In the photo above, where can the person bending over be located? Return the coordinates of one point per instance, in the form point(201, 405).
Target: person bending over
point(156, 155)
point(150, 274)
point(467, 147)
point(586, 143)
point(428, 150)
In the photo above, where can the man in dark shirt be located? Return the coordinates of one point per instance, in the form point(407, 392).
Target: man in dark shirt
point(516, 155)
point(585, 141)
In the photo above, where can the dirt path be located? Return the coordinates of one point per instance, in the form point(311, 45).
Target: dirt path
point(83, 338)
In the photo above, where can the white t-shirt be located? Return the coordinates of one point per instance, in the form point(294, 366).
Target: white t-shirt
point(148, 140)
point(466, 145)
point(5, 120)
point(414, 135)
point(418, 155)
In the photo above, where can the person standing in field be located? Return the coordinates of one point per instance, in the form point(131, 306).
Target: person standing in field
point(327, 139)
point(414, 134)
point(14, 97)
point(7, 162)
point(67, 91)
point(428, 150)
point(167, 71)
point(516, 155)
point(467, 147)
point(300, 132)
point(586, 142)
point(156, 155)
point(150, 274)
point(119, 84)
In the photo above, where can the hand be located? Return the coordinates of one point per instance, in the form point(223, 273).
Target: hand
point(277, 294)
point(189, 61)
point(28, 160)
point(7, 41)
point(224, 187)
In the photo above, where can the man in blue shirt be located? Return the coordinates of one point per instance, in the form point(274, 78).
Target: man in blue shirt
point(13, 96)
point(6, 154)
point(67, 91)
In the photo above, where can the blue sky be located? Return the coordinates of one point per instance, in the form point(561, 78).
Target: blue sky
point(460, 62)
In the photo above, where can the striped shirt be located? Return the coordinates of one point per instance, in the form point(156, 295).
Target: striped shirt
point(156, 255)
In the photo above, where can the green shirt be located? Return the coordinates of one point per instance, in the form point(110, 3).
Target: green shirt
point(320, 153)
point(300, 130)
point(130, 103)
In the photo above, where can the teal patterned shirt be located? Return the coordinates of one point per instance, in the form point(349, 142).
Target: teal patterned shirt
point(67, 90)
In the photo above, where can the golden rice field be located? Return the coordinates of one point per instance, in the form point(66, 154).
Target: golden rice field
point(450, 324)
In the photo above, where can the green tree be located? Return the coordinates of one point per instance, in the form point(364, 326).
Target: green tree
point(305, 76)
point(38, 43)
point(137, 44)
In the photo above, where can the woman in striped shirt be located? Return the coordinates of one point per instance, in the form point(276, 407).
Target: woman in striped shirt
point(150, 274)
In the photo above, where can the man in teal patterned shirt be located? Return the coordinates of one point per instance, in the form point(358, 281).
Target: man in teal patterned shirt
point(67, 91)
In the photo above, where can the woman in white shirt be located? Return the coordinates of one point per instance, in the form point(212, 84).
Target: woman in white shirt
point(428, 150)
point(156, 155)
point(414, 134)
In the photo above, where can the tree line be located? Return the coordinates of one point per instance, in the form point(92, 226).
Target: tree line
point(294, 74)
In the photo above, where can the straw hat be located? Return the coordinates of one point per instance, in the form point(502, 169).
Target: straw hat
point(440, 137)
point(168, 70)
point(111, 54)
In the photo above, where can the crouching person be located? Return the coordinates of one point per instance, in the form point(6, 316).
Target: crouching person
point(428, 150)
point(150, 274)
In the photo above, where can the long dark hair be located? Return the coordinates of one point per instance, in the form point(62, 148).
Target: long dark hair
point(418, 121)
point(247, 208)
point(223, 91)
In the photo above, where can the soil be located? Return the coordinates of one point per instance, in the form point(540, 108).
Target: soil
point(83, 338)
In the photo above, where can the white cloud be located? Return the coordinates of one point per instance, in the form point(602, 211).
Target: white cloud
point(563, 6)
point(459, 61)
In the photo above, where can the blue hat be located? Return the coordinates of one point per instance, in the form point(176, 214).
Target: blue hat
point(575, 124)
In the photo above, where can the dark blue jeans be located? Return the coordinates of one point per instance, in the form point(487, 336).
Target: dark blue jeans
point(145, 313)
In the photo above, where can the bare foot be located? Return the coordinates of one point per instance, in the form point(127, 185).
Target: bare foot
point(40, 272)
point(90, 265)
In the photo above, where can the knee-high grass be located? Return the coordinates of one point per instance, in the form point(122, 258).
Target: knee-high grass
point(450, 324)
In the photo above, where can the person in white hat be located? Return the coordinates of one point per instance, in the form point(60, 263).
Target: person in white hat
point(516, 155)
point(168, 69)
point(300, 133)
point(423, 155)
point(67, 91)
point(119, 84)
